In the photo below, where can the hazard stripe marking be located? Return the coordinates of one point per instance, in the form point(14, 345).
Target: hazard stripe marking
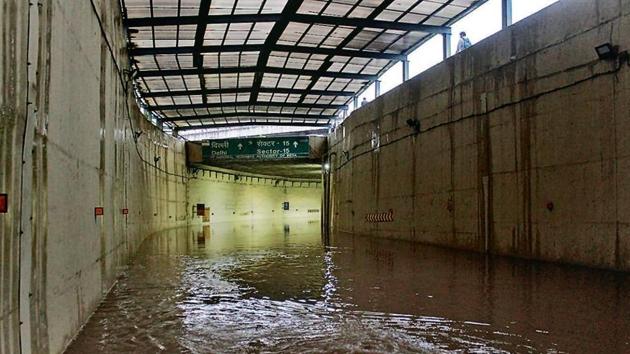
point(387, 216)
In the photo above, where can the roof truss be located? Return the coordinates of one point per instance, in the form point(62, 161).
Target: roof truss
point(249, 115)
point(286, 17)
point(254, 69)
point(322, 60)
point(262, 47)
point(251, 123)
point(246, 104)
point(278, 90)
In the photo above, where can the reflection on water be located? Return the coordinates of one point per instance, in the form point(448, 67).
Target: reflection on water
point(275, 288)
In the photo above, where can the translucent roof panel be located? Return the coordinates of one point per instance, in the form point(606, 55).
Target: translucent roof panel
point(206, 62)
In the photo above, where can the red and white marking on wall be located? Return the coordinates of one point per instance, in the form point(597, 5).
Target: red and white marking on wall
point(387, 216)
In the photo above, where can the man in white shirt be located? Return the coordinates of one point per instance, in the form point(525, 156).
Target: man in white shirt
point(463, 43)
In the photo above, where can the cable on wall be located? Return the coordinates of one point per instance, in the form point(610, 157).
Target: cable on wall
point(124, 83)
point(497, 108)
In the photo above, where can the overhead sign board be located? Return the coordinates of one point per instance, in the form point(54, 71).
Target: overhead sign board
point(256, 148)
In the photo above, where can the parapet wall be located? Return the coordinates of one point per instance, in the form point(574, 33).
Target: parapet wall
point(523, 147)
point(67, 147)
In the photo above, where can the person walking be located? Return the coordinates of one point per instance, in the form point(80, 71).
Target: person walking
point(364, 102)
point(463, 43)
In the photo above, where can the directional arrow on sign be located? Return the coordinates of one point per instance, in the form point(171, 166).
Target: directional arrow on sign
point(240, 146)
point(295, 143)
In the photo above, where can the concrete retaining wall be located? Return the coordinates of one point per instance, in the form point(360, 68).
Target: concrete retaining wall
point(523, 147)
point(13, 69)
point(67, 147)
point(251, 198)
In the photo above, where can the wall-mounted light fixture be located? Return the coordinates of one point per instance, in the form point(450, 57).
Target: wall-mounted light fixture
point(550, 206)
point(415, 124)
point(156, 159)
point(611, 52)
point(137, 134)
point(132, 74)
point(327, 166)
point(607, 51)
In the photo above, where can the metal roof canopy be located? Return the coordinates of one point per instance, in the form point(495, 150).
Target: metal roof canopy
point(217, 63)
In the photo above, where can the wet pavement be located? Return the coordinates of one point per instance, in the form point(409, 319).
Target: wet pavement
point(267, 287)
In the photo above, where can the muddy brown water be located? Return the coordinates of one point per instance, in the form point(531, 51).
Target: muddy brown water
point(265, 287)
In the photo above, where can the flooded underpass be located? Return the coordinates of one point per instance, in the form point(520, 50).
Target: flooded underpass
point(268, 287)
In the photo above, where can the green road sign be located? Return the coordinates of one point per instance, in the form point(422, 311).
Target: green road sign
point(256, 148)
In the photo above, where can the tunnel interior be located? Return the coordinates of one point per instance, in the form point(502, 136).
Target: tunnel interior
point(314, 176)
point(255, 178)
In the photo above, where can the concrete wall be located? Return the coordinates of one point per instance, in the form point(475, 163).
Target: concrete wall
point(523, 148)
point(250, 198)
point(13, 68)
point(67, 147)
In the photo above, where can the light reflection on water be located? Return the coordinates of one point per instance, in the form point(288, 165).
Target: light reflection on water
point(275, 288)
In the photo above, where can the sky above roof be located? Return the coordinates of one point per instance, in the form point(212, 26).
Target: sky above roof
point(479, 24)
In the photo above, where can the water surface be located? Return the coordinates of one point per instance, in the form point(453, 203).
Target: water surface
point(268, 287)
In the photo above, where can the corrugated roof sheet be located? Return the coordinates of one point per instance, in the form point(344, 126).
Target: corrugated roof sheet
point(219, 62)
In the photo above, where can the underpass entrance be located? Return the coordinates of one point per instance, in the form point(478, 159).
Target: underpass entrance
point(249, 179)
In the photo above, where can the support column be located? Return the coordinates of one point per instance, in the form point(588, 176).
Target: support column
point(355, 100)
point(377, 88)
point(446, 45)
point(506, 13)
point(405, 69)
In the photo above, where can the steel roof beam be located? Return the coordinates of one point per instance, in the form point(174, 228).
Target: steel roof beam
point(254, 69)
point(193, 20)
point(245, 104)
point(260, 47)
point(246, 115)
point(302, 18)
point(203, 49)
point(241, 124)
point(290, 8)
point(204, 9)
point(362, 22)
point(355, 32)
point(247, 90)
point(307, 132)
